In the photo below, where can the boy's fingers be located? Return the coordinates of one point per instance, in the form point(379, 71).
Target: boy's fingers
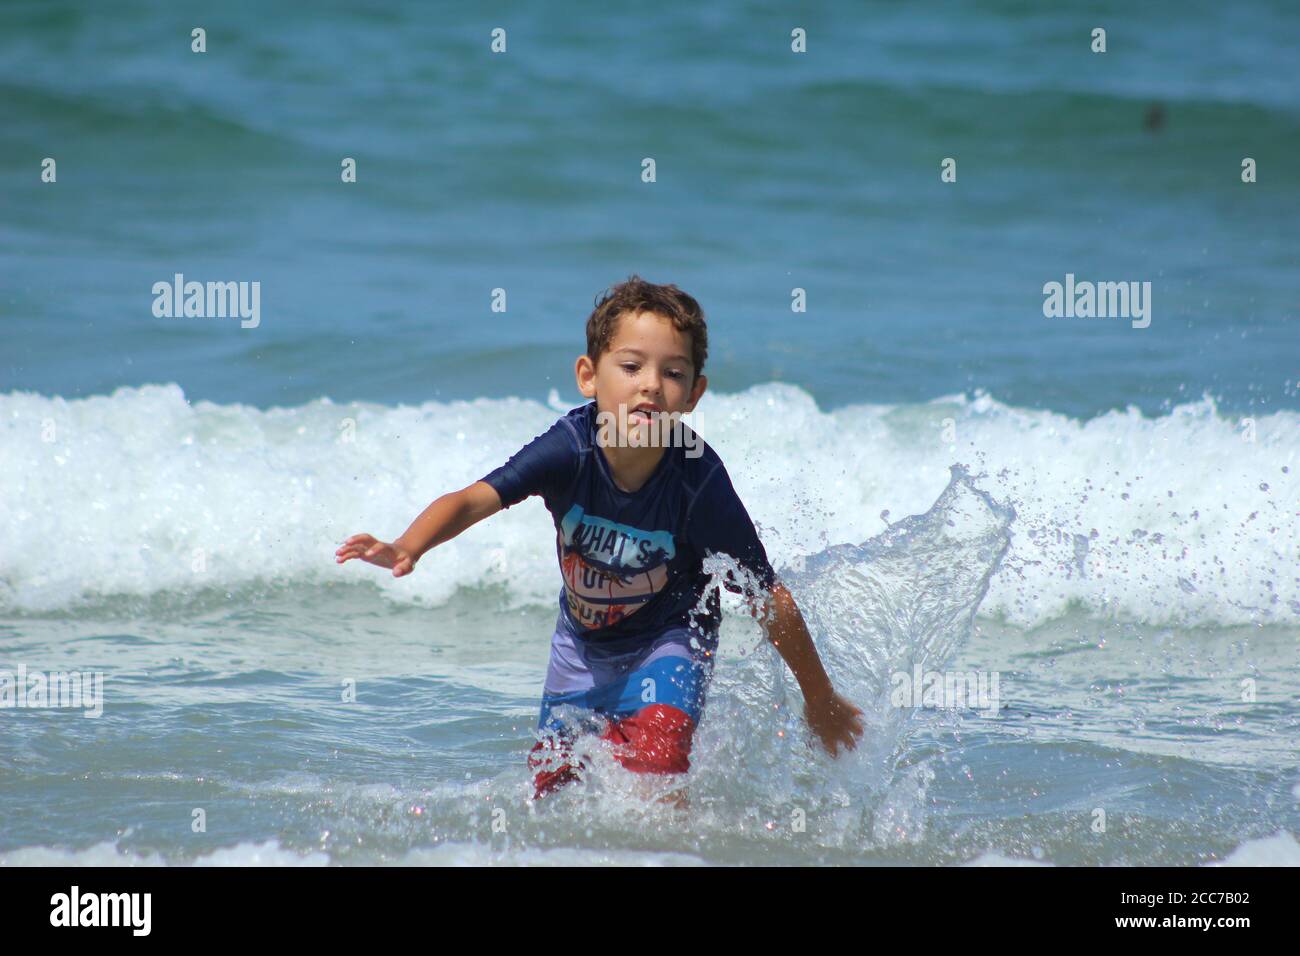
point(347, 546)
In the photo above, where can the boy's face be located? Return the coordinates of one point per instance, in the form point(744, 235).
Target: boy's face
point(648, 362)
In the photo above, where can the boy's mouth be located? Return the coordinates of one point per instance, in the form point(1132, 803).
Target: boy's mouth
point(643, 414)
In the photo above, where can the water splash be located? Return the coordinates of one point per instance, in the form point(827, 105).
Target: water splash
point(906, 598)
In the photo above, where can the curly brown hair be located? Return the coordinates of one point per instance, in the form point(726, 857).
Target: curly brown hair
point(635, 296)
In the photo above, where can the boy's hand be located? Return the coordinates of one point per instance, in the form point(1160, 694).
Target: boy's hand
point(835, 721)
point(369, 549)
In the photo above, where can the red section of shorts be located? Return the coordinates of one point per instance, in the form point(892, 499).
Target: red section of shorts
point(656, 739)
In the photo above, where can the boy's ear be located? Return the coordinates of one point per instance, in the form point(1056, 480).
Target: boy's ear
point(584, 371)
point(697, 391)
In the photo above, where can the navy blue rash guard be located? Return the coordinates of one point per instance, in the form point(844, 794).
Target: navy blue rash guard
point(632, 562)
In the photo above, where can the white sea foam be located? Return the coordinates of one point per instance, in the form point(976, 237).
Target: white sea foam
point(1175, 519)
point(990, 858)
point(1278, 850)
point(1281, 849)
point(109, 853)
point(476, 854)
point(270, 853)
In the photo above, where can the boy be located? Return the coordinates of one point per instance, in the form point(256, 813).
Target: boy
point(634, 642)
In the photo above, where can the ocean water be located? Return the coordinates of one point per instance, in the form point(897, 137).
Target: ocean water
point(1104, 517)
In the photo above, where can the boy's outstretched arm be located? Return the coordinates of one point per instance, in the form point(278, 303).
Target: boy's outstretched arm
point(447, 517)
point(831, 717)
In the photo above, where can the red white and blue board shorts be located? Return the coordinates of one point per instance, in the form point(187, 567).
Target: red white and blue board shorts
point(645, 697)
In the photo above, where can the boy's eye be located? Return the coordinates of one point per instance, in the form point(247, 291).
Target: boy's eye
point(631, 367)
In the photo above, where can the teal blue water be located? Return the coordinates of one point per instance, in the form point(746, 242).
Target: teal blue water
point(521, 171)
point(172, 489)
